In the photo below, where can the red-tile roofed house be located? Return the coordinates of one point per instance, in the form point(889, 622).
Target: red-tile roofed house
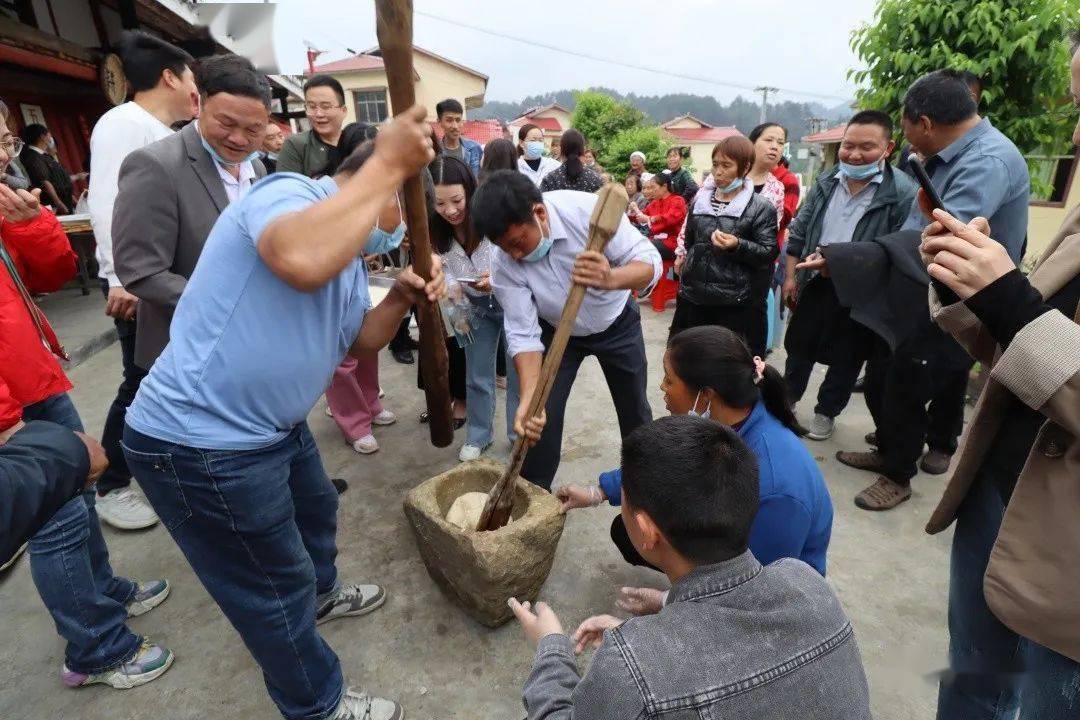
point(481, 131)
point(437, 78)
point(829, 140)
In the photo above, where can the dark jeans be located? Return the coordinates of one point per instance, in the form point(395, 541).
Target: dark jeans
point(994, 671)
point(117, 475)
point(621, 538)
point(897, 391)
point(946, 413)
point(835, 391)
point(258, 528)
point(621, 352)
point(70, 566)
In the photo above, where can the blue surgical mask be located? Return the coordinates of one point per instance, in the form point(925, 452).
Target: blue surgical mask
point(534, 149)
point(542, 248)
point(381, 242)
point(227, 163)
point(695, 413)
point(732, 186)
point(861, 172)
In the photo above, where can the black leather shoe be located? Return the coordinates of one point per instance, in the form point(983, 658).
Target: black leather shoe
point(405, 357)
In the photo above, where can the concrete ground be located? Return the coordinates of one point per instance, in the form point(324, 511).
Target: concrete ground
point(419, 648)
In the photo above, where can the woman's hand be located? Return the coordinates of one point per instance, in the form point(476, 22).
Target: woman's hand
point(724, 241)
point(575, 496)
point(680, 260)
point(965, 259)
point(483, 283)
point(19, 205)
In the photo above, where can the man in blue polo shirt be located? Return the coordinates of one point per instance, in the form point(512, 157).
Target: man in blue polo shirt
point(217, 436)
point(917, 396)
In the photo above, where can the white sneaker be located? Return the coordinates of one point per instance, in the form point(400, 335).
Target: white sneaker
point(366, 445)
point(384, 418)
point(382, 393)
point(361, 706)
point(821, 427)
point(471, 452)
point(125, 509)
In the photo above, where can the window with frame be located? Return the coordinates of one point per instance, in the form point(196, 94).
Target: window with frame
point(370, 105)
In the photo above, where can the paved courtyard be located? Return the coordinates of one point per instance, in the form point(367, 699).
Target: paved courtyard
point(420, 649)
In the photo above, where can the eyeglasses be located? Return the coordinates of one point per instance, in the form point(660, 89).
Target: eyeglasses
point(12, 146)
point(325, 106)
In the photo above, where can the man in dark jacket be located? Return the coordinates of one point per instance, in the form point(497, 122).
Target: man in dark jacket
point(42, 466)
point(861, 199)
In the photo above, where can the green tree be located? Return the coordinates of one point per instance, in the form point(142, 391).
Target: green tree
point(601, 118)
point(650, 140)
point(1017, 47)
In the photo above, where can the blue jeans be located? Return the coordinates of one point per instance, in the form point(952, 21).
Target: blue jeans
point(995, 672)
point(480, 361)
point(70, 566)
point(258, 527)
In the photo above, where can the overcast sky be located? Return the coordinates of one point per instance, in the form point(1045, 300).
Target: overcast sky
point(791, 44)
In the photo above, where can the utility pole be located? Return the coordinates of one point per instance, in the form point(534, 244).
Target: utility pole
point(765, 90)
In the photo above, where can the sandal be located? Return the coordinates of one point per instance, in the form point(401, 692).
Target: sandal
point(425, 418)
point(872, 460)
point(884, 494)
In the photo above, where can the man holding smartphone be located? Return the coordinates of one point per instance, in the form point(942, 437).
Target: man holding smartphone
point(976, 171)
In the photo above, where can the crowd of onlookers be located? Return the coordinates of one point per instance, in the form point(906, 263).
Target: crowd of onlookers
point(223, 242)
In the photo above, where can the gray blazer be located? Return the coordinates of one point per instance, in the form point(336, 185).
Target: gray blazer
point(170, 195)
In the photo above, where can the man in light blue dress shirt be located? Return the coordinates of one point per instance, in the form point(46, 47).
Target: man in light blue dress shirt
point(542, 240)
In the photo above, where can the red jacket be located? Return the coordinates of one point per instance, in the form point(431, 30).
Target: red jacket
point(29, 370)
point(669, 214)
point(791, 194)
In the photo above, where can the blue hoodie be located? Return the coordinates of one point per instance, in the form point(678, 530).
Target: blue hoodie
point(795, 512)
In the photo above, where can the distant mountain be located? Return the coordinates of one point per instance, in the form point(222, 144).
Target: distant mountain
point(740, 112)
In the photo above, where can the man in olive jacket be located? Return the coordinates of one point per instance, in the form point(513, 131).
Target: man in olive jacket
point(861, 199)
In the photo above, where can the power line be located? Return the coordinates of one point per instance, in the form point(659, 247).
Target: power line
point(765, 90)
point(632, 66)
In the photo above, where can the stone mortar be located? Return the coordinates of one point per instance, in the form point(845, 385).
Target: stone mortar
point(480, 570)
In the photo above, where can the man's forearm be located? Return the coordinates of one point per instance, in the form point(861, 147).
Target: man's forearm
point(381, 323)
point(341, 224)
point(50, 193)
point(632, 276)
point(549, 691)
point(528, 365)
point(790, 261)
point(163, 288)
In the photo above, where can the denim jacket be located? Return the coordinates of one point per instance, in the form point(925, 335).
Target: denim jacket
point(735, 640)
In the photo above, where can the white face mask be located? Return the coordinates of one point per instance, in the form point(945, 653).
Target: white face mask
point(695, 413)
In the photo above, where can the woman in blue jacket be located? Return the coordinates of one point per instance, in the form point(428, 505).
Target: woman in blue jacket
point(709, 371)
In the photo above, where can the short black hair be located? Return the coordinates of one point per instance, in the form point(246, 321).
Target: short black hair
point(506, 198)
point(664, 178)
point(448, 105)
point(232, 74)
point(757, 131)
point(697, 480)
point(32, 133)
point(943, 96)
point(146, 57)
point(355, 147)
point(873, 117)
point(329, 81)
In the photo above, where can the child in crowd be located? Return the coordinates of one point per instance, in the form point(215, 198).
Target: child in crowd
point(710, 372)
point(735, 639)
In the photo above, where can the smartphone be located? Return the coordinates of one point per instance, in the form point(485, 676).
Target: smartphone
point(924, 182)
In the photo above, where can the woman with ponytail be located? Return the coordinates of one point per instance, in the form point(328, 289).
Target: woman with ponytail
point(572, 175)
point(709, 371)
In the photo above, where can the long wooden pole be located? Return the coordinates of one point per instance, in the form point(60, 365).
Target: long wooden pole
point(608, 213)
point(393, 23)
